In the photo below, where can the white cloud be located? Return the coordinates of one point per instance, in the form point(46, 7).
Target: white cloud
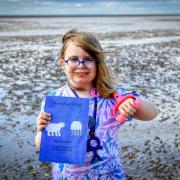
point(112, 4)
point(79, 5)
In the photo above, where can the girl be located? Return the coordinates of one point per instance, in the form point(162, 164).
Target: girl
point(83, 61)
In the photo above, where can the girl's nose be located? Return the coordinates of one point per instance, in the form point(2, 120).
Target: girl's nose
point(81, 64)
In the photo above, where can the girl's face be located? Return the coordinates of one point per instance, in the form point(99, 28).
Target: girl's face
point(83, 75)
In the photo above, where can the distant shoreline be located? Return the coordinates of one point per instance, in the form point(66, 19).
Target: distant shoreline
point(85, 15)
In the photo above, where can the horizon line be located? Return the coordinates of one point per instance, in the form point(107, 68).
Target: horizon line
point(87, 15)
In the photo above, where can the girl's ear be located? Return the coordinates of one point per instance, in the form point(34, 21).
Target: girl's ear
point(61, 62)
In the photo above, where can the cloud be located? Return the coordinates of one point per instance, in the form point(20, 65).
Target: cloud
point(112, 4)
point(79, 5)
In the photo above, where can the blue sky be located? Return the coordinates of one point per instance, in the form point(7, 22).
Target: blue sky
point(71, 7)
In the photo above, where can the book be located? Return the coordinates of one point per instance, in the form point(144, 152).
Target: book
point(64, 139)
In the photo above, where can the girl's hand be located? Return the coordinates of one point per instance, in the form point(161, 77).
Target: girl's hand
point(43, 120)
point(127, 108)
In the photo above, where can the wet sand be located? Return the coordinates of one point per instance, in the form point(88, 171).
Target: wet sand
point(146, 59)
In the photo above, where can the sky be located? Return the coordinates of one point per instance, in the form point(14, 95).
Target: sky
point(88, 7)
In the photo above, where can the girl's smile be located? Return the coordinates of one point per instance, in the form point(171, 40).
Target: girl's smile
point(81, 73)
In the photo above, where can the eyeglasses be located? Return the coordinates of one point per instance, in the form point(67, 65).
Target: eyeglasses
point(75, 62)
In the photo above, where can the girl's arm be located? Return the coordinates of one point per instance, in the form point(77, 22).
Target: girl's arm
point(38, 140)
point(145, 112)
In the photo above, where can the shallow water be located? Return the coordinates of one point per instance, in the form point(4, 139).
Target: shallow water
point(145, 57)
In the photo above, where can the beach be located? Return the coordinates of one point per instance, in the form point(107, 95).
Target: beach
point(143, 51)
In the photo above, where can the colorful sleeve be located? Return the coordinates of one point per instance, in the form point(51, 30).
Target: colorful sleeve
point(53, 93)
point(42, 105)
point(124, 92)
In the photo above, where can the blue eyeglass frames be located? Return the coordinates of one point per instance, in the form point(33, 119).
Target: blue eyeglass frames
point(75, 62)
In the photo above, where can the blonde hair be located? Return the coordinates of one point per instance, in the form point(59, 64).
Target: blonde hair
point(103, 81)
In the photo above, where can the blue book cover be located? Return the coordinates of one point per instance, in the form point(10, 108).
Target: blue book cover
point(64, 139)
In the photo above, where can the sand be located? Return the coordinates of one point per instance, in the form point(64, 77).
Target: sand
point(144, 52)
